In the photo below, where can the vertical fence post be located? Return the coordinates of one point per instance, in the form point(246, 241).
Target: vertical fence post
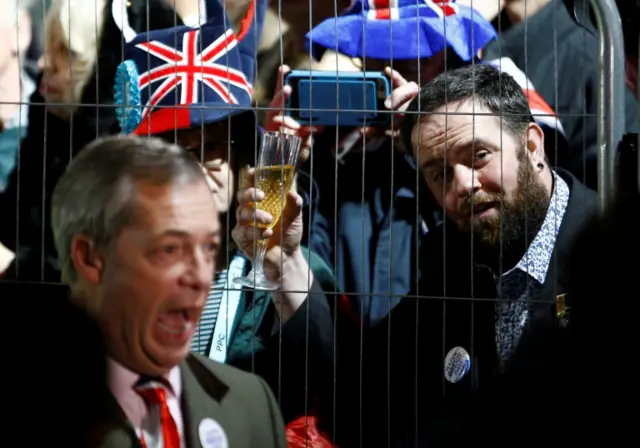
point(611, 113)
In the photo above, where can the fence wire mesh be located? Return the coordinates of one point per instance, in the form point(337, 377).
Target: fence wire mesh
point(413, 242)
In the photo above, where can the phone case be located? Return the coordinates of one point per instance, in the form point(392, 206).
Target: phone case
point(346, 99)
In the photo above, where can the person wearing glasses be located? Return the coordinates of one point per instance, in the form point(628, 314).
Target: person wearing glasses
point(285, 336)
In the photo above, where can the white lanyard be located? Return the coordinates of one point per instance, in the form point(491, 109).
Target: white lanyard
point(227, 313)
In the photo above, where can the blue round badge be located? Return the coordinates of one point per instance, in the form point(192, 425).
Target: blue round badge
point(456, 364)
point(127, 97)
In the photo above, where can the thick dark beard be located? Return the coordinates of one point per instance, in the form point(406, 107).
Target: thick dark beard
point(502, 241)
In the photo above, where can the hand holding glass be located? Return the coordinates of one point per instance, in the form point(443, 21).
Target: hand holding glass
point(274, 175)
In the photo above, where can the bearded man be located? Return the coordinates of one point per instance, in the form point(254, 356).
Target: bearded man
point(491, 292)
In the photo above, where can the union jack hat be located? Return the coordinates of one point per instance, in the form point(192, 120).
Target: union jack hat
point(183, 77)
point(402, 29)
point(249, 36)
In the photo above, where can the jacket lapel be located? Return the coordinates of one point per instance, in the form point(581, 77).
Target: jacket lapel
point(117, 431)
point(201, 396)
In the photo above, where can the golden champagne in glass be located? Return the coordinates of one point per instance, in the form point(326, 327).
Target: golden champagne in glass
point(275, 181)
point(274, 174)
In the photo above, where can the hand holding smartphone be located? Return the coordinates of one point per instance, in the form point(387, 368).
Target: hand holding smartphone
point(344, 99)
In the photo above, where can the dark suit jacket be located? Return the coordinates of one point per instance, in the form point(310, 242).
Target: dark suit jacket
point(603, 271)
point(240, 402)
point(414, 405)
point(55, 358)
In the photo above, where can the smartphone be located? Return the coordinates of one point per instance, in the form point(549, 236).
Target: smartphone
point(344, 99)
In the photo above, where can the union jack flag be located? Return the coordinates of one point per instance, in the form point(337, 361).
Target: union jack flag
point(183, 72)
point(396, 9)
point(402, 29)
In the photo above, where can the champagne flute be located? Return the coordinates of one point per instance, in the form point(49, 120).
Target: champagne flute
point(274, 175)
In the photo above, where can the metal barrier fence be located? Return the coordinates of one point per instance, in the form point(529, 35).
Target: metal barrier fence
point(610, 129)
point(610, 93)
point(610, 118)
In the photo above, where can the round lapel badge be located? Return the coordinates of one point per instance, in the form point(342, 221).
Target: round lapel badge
point(456, 364)
point(212, 435)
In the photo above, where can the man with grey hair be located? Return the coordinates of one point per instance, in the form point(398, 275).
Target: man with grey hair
point(137, 233)
point(16, 86)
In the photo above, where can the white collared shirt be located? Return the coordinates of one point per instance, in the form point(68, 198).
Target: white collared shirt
point(146, 422)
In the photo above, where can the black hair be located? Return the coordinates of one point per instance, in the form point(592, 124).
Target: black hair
point(494, 90)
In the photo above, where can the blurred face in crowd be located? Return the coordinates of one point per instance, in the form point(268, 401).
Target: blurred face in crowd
point(15, 33)
point(7, 52)
point(69, 55)
point(484, 178)
point(210, 145)
point(153, 281)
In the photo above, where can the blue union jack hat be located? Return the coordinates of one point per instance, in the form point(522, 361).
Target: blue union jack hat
point(183, 77)
point(249, 36)
point(403, 29)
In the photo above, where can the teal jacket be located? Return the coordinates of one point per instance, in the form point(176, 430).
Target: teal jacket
point(9, 146)
point(296, 361)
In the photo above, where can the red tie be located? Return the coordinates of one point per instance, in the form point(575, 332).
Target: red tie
point(157, 396)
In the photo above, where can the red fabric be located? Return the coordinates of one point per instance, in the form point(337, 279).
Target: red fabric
point(380, 4)
point(537, 103)
point(247, 21)
point(348, 310)
point(383, 14)
point(163, 120)
point(447, 9)
point(303, 432)
point(156, 396)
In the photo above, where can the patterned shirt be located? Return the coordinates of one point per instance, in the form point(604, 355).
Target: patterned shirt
point(524, 282)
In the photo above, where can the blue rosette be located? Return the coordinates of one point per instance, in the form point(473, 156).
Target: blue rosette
point(127, 97)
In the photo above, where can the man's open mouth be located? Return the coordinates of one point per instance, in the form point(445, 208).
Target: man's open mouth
point(177, 321)
point(480, 208)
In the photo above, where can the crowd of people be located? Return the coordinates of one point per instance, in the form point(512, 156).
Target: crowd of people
point(440, 280)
